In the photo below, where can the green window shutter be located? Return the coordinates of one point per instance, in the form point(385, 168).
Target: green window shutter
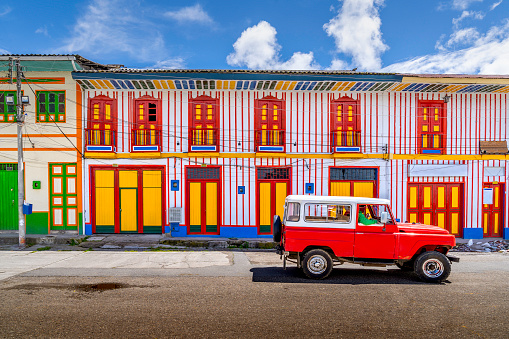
point(50, 106)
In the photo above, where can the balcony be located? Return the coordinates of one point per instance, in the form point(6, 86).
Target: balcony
point(204, 139)
point(100, 140)
point(431, 143)
point(270, 140)
point(145, 140)
point(345, 141)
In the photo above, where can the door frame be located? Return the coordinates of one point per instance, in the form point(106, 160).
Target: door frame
point(91, 188)
point(461, 202)
point(501, 224)
point(273, 192)
point(203, 219)
point(376, 188)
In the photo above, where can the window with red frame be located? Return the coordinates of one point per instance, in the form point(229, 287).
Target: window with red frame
point(147, 122)
point(345, 125)
point(270, 125)
point(102, 121)
point(204, 127)
point(431, 127)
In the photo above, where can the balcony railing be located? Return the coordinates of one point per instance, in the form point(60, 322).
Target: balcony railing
point(145, 137)
point(100, 137)
point(431, 142)
point(265, 139)
point(346, 139)
point(204, 137)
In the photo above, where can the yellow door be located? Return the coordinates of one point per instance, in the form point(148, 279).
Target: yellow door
point(265, 207)
point(105, 200)
point(128, 184)
point(211, 207)
point(281, 193)
point(340, 189)
point(152, 201)
point(195, 207)
point(363, 189)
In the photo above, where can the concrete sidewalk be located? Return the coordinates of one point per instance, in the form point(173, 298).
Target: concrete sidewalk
point(67, 241)
point(129, 263)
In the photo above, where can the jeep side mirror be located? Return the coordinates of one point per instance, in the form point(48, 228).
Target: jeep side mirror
point(384, 217)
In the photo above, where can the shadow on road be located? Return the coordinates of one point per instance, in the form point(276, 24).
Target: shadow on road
point(337, 276)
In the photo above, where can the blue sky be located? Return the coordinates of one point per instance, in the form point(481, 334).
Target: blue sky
point(418, 36)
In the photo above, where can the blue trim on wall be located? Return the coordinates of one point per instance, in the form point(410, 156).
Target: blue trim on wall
point(431, 151)
point(271, 148)
point(473, 233)
point(506, 233)
point(88, 229)
point(99, 148)
point(224, 232)
point(203, 148)
point(146, 148)
point(348, 149)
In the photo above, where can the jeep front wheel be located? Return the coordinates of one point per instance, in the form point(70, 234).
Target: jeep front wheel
point(317, 264)
point(432, 266)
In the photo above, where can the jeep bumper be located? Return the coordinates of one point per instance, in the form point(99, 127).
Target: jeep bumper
point(452, 258)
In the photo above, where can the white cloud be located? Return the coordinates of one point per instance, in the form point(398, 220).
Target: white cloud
point(257, 48)
point(495, 5)
point(4, 51)
point(463, 4)
point(467, 14)
point(338, 64)
point(5, 10)
point(190, 14)
point(42, 30)
point(175, 63)
point(463, 37)
point(488, 54)
point(112, 26)
point(356, 31)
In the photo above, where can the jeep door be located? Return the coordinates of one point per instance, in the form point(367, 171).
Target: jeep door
point(375, 240)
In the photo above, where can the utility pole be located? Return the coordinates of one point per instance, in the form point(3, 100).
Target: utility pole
point(20, 118)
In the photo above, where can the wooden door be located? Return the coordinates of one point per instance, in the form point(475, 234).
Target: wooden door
point(437, 204)
point(493, 214)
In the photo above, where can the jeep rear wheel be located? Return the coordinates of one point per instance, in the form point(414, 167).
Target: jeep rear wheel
point(432, 266)
point(317, 264)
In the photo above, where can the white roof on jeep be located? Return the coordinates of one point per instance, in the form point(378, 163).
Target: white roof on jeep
point(336, 199)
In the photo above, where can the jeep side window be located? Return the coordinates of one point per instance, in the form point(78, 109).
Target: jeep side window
point(327, 213)
point(371, 214)
point(293, 211)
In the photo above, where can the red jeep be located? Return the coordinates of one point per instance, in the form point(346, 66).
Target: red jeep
point(318, 232)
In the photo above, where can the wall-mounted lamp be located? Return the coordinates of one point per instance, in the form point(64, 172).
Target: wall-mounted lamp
point(25, 100)
point(446, 98)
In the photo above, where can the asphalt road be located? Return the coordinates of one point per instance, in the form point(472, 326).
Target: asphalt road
point(251, 296)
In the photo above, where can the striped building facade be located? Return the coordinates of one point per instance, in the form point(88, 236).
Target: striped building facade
point(215, 152)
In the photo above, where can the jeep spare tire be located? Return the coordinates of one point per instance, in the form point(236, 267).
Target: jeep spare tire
point(276, 229)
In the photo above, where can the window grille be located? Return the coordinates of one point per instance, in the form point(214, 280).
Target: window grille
point(203, 173)
point(354, 174)
point(274, 173)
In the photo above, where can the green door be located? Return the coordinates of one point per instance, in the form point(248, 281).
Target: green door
point(9, 197)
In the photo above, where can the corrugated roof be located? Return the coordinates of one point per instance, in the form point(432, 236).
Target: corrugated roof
point(54, 62)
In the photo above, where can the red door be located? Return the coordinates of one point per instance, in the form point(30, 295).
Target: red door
point(270, 125)
point(438, 204)
point(345, 124)
point(204, 124)
point(493, 214)
point(147, 125)
point(431, 127)
point(102, 120)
